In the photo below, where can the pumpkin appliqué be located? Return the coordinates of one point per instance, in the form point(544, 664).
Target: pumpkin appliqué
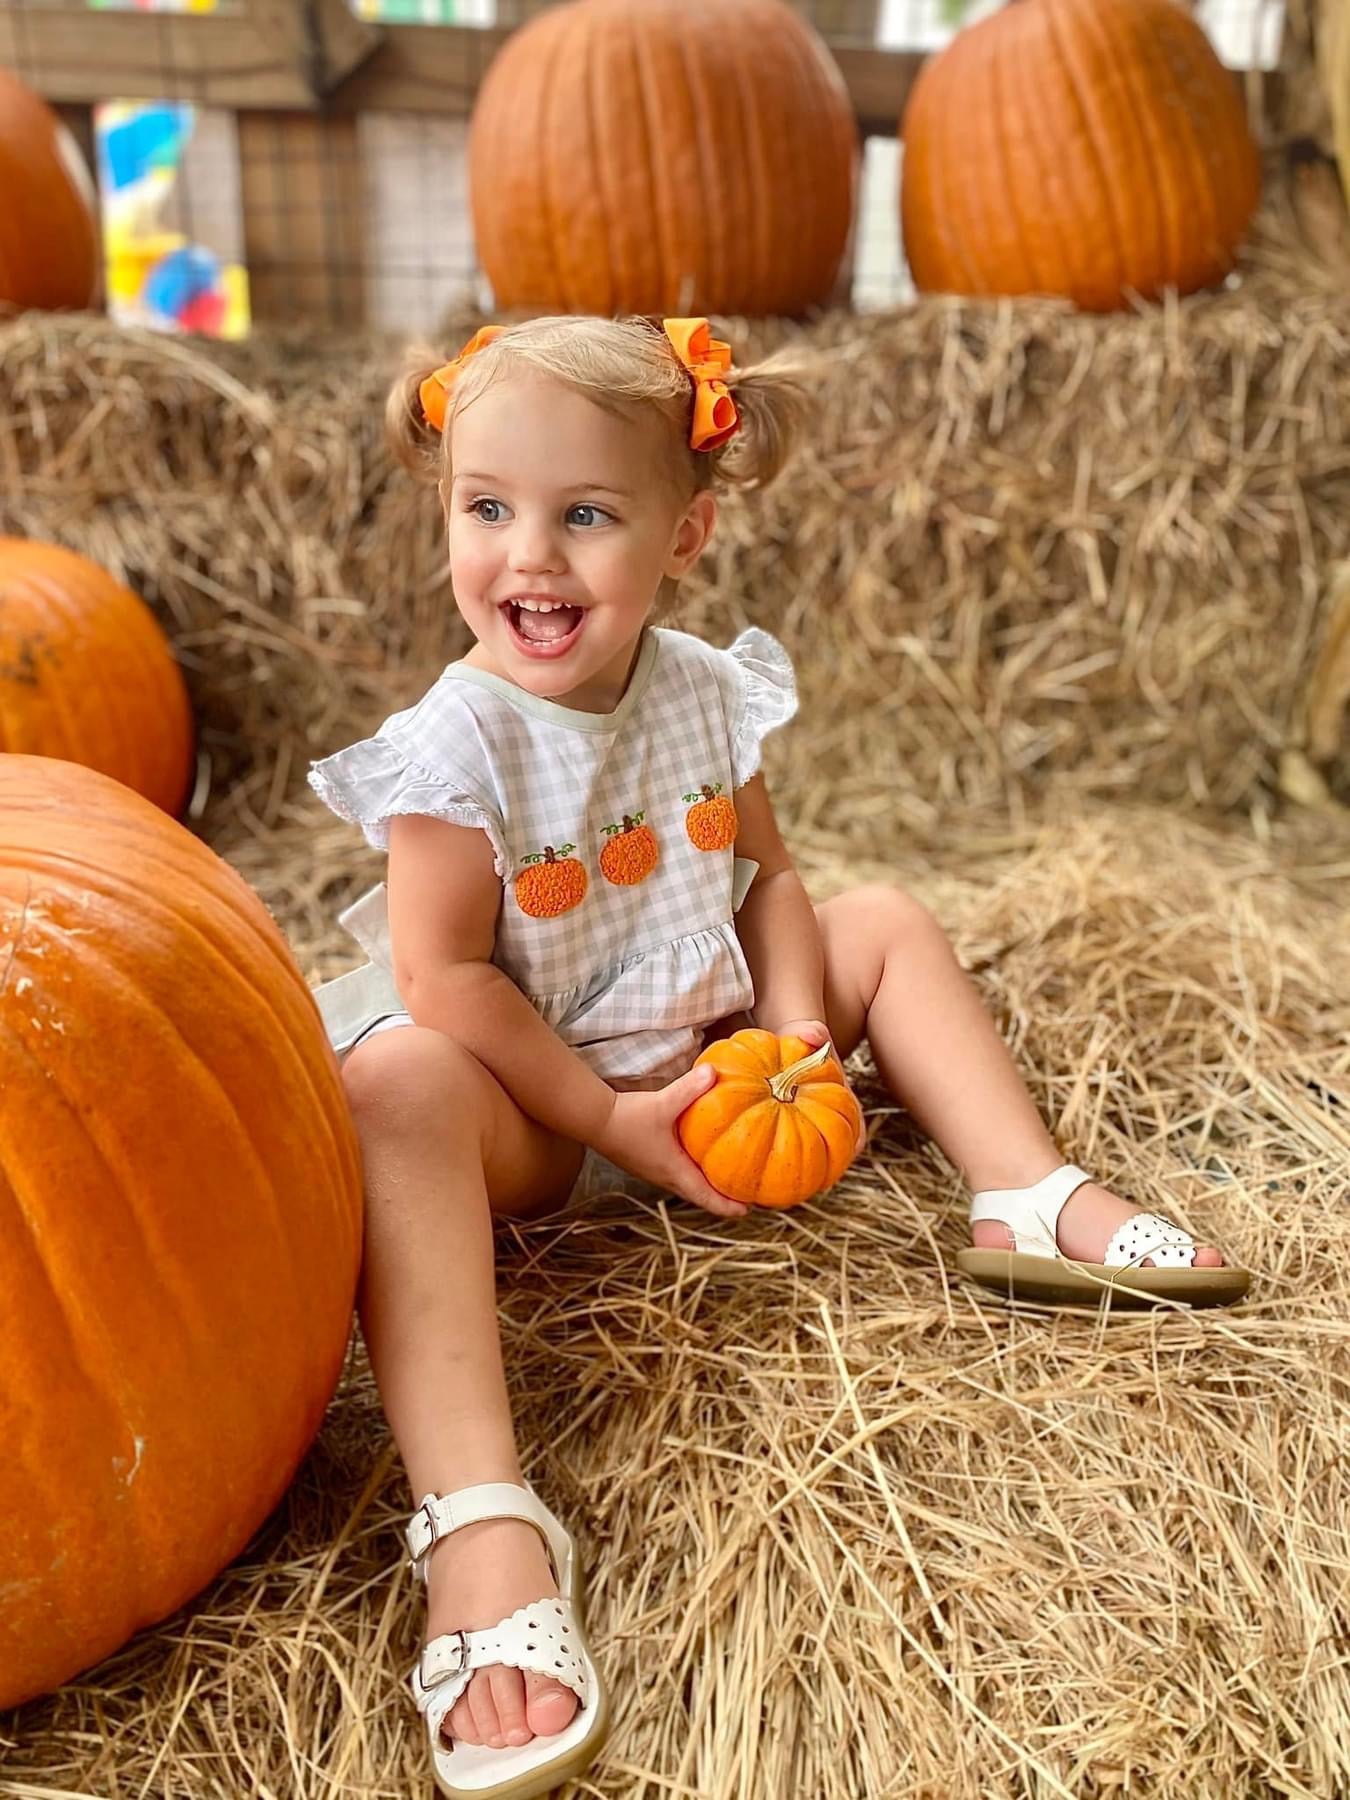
point(711, 821)
point(551, 883)
point(631, 853)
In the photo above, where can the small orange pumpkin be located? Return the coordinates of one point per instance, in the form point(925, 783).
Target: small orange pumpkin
point(781, 1123)
point(631, 853)
point(551, 883)
point(711, 823)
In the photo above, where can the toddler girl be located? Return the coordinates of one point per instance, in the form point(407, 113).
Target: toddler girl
point(586, 884)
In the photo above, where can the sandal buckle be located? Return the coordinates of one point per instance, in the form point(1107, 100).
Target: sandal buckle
point(425, 1511)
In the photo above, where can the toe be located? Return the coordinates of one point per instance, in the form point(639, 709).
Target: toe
point(549, 1705)
point(458, 1723)
point(484, 1710)
point(1207, 1257)
point(508, 1691)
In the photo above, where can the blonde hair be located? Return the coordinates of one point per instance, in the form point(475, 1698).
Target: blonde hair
point(624, 365)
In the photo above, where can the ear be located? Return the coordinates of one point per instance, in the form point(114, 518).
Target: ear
point(692, 534)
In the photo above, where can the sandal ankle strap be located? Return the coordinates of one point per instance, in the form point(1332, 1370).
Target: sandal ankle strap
point(1031, 1214)
point(438, 1515)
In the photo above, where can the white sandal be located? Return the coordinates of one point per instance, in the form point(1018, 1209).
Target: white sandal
point(545, 1636)
point(1035, 1268)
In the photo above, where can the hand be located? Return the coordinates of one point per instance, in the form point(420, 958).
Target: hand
point(813, 1033)
point(639, 1135)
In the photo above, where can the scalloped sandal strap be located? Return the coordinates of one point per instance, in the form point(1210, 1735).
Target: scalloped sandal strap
point(543, 1637)
point(1030, 1213)
point(1148, 1234)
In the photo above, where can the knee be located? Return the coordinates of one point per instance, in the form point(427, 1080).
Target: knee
point(889, 917)
point(415, 1079)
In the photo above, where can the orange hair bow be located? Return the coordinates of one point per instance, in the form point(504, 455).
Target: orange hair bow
point(707, 359)
point(435, 390)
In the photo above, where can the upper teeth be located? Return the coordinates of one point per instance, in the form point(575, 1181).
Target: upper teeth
point(540, 605)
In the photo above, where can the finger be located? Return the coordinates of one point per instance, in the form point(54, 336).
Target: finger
point(687, 1088)
point(704, 1195)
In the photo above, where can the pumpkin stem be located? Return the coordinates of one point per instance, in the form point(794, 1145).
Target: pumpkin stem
point(783, 1086)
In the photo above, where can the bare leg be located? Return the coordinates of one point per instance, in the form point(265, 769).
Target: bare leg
point(890, 972)
point(438, 1136)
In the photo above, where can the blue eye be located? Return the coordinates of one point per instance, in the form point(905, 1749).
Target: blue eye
point(597, 513)
point(489, 518)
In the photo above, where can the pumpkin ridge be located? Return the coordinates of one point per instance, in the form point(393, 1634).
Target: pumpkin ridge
point(985, 123)
point(1209, 122)
point(1206, 236)
point(179, 1303)
point(616, 277)
point(184, 1301)
point(805, 1162)
point(945, 204)
point(1026, 281)
point(1092, 259)
point(1175, 199)
point(643, 185)
point(118, 980)
point(650, 113)
point(737, 192)
point(57, 693)
point(1085, 96)
point(224, 883)
point(789, 231)
point(747, 1143)
point(118, 890)
point(711, 278)
point(551, 161)
point(1031, 76)
point(808, 241)
point(89, 1363)
point(76, 1333)
point(758, 221)
point(1147, 221)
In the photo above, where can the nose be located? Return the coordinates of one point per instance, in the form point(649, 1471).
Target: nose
point(534, 548)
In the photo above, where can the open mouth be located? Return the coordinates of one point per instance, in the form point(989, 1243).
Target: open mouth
point(550, 632)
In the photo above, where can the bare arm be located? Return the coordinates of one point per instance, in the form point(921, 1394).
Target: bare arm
point(443, 900)
point(776, 922)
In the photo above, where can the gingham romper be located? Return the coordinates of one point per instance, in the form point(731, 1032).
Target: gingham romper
point(612, 834)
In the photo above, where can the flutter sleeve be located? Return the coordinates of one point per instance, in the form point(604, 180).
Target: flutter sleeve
point(763, 696)
point(371, 782)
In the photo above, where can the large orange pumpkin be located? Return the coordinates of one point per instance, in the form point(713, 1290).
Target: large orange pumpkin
point(86, 674)
point(780, 1124)
point(678, 156)
point(1090, 148)
point(180, 1218)
point(49, 245)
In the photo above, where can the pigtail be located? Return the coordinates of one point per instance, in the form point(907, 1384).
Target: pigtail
point(773, 398)
point(414, 443)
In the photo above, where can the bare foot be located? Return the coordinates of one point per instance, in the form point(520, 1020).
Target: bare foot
point(479, 1575)
point(1090, 1219)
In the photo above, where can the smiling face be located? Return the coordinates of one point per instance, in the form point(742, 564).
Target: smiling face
point(563, 520)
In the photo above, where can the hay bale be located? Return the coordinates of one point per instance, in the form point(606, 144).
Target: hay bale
point(852, 1529)
point(1027, 552)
